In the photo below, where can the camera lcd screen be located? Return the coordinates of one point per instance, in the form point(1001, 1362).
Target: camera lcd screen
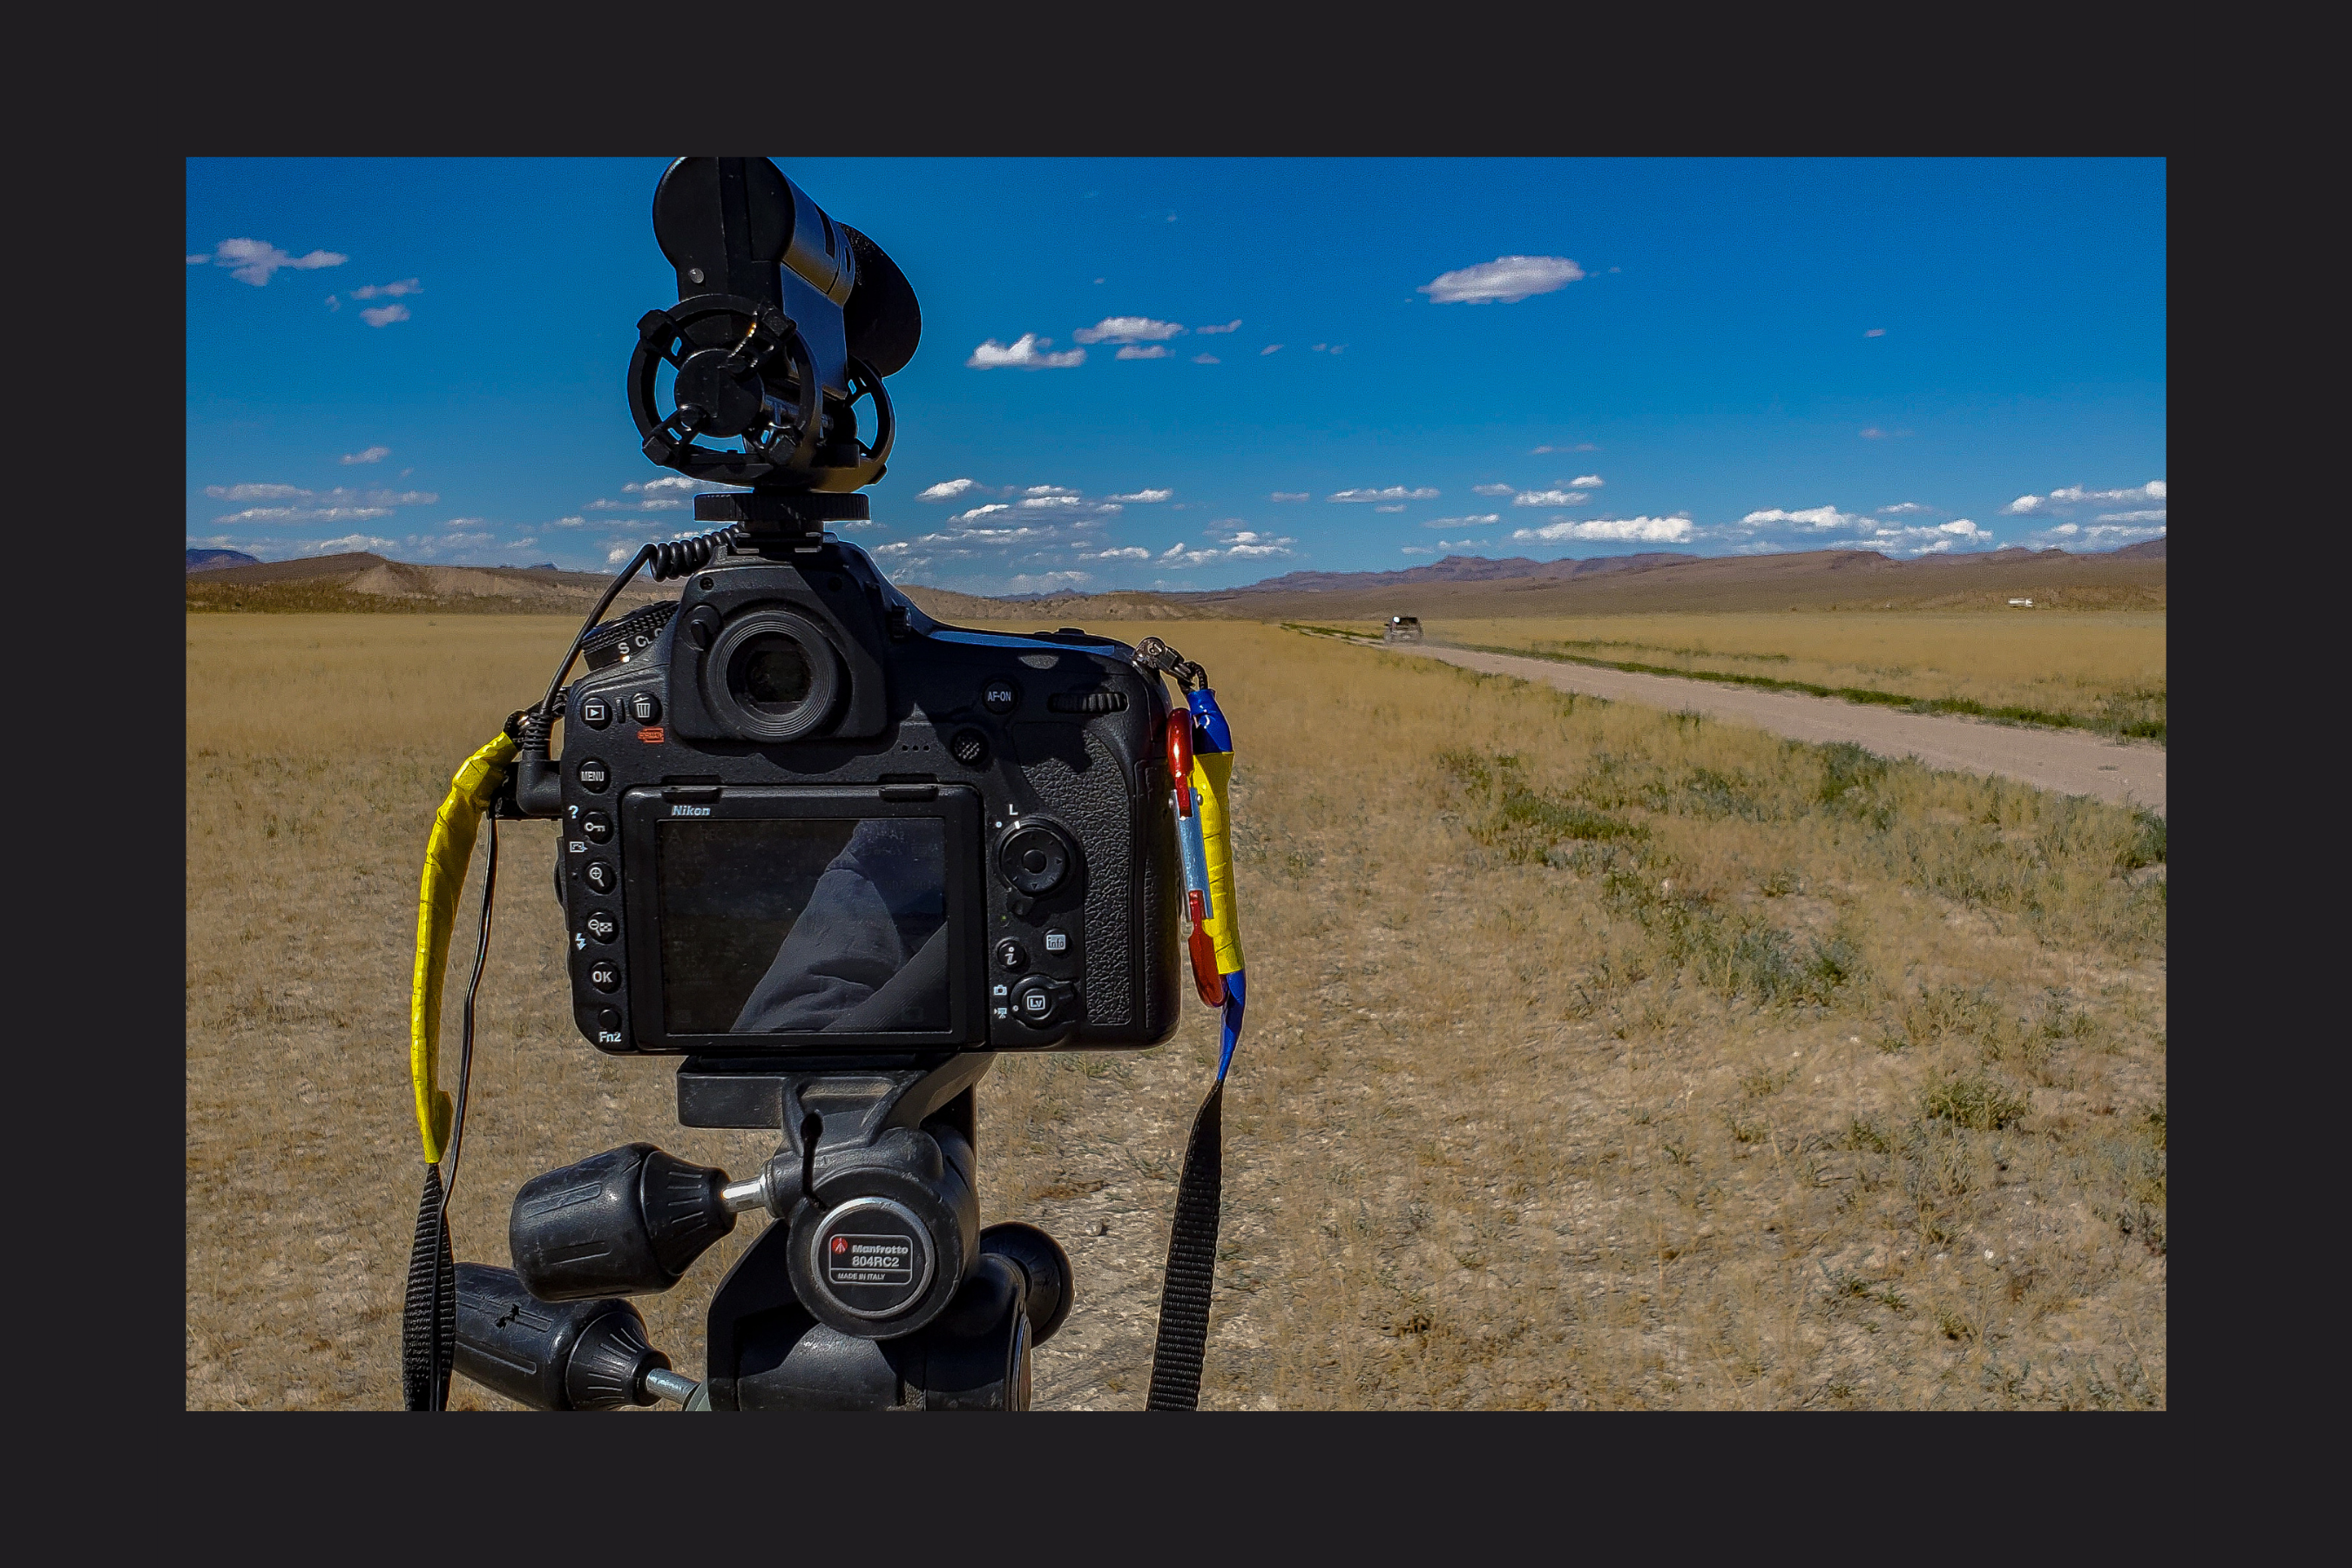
point(804, 925)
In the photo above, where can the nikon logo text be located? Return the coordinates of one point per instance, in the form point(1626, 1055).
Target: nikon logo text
point(689, 811)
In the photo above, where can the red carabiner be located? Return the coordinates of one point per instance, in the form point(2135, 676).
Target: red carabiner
point(1180, 759)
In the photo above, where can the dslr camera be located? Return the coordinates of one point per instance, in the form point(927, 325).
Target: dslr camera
point(830, 853)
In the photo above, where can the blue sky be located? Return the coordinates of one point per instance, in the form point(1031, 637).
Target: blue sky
point(1191, 374)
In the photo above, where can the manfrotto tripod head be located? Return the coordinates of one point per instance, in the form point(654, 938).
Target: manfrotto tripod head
point(786, 320)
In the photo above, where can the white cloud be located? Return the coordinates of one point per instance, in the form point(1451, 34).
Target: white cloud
point(1492, 490)
point(253, 260)
point(1646, 530)
point(1028, 582)
point(1580, 447)
point(348, 542)
point(1290, 495)
point(1928, 540)
point(1903, 508)
point(333, 304)
point(1418, 549)
point(1814, 517)
point(1126, 330)
point(384, 315)
point(1157, 350)
point(466, 522)
point(567, 522)
point(1246, 542)
point(619, 553)
point(1399, 508)
point(389, 290)
point(976, 513)
point(340, 495)
point(1269, 349)
point(1125, 552)
point(255, 492)
point(1233, 326)
point(304, 514)
point(1550, 498)
point(1206, 359)
point(1025, 355)
point(1507, 279)
point(1038, 502)
point(340, 504)
point(2100, 535)
point(1587, 481)
point(1394, 492)
point(372, 455)
point(1875, 332)
point(949, 489)
point(669, 482)
point(2154, 515)
point(2075, 495)
point(1483, 521)
point(1142, 498)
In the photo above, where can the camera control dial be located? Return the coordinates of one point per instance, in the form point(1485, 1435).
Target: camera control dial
point(1035, 858)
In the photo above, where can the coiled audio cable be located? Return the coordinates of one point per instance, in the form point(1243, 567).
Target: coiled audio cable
point(670, 558)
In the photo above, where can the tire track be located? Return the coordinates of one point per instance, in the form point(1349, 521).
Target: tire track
point(2068, 761)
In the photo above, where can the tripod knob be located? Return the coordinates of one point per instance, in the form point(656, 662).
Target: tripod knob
point(1047, 1266)
point(624, 1223)
point(575, 1355)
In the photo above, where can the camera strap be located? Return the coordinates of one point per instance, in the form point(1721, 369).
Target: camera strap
point(1203, 780)
point(429, 1314)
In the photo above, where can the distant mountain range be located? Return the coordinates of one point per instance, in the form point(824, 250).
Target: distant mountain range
point(1459, 585)
point(1521, 568)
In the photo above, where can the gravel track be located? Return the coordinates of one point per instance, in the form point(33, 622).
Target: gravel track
point(2067, 761)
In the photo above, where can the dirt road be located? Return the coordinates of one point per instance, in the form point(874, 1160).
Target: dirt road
point(2066, 761)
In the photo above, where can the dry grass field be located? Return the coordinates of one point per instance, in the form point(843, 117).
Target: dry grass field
point(1597, 1056)
point(2099, 670)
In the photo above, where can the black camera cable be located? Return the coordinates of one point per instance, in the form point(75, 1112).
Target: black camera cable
point(429, 1314)
point(429, 1311)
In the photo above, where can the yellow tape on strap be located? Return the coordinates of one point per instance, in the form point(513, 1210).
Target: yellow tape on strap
point(445, 857)
point(1212, 773)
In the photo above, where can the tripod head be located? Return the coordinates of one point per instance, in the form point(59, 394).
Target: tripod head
point(785, 321)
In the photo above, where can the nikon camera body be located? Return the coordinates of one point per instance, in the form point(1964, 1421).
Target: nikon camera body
point(803, 819)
